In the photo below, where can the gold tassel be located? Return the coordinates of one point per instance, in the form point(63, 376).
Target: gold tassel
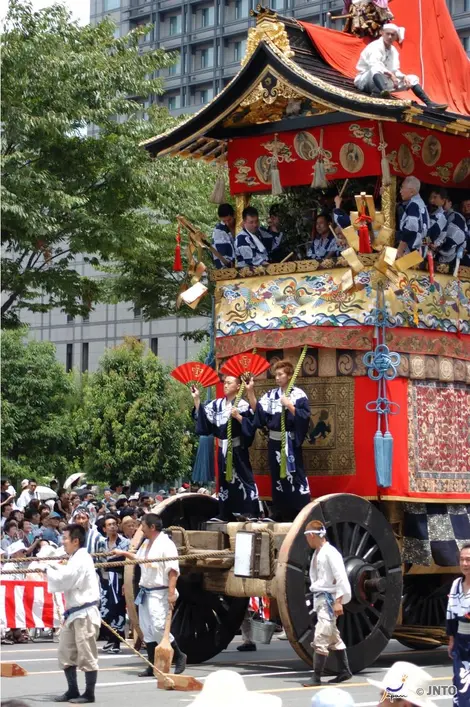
point(319, 175)
point(276, 186)
point(218, 193)
point(384, 163)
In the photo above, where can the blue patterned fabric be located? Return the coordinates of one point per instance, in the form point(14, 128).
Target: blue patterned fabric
point(223, 242)
point(321, 248)
point(435, 532)
point(455, 236)
point(248, 252)
point(414, 223)
point(437, 227)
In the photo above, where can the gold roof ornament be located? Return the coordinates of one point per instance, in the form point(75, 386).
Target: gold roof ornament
point(269, 27)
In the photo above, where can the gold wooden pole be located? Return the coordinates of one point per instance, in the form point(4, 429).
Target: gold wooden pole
point(389, 205)
point(241, 202)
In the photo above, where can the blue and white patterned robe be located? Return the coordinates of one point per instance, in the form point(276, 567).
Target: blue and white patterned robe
point(291, 494)
point(321, 248)
point(414, 224)
point(437, 226)
point(341, 218)
point(248, 252)
point(241, 494)
point(458, 626)
point(271, 241)
point(113, 601)
point(455, 237)
point(223, 241)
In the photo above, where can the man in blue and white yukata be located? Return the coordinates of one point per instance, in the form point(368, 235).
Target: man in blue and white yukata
point(414, 221)
point(223, 236)
point(456, 235)
point(250, 246)
point(240, 495)
point(291, 494)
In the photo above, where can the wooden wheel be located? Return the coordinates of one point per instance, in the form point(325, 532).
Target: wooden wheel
point(424, 604)
point(204, 623)
point(366, 541)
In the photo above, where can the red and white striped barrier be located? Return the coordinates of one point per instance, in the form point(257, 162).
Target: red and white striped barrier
point(28, 604)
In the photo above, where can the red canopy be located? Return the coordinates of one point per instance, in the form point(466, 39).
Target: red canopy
point(432, 50)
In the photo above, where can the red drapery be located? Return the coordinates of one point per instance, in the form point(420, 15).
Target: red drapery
point(433, 157)
point(432, 50)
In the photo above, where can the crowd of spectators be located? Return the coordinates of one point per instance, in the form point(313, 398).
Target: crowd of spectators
point(33, 521)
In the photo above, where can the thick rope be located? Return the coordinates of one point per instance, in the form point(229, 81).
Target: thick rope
point(229, 458)
point(208, 554)
point(283, 412)
point(167, 681)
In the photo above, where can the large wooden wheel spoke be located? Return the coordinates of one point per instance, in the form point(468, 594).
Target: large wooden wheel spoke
point(372, 559)
point(204, 623)
point(424, 604)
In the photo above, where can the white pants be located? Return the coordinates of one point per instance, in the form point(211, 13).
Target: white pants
point(77, 645)
point(326, 636)
point(152, 616)
point(365, 81)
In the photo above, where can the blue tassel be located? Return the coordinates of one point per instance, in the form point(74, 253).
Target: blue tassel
point(379, 456)
point(388, 459)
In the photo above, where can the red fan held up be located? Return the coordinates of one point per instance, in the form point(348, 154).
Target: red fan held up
point(245, 364)
point(195, 372)
point(177, 264)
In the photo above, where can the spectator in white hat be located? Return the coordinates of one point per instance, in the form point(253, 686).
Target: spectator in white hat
point(332, 697)
point(227, 688)
point(404, 685)
point(15, 551)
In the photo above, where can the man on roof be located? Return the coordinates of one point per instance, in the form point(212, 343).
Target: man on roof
point(379, 69)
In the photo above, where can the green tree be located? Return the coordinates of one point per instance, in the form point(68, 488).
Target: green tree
point(37, 403)
point(66, 192)
point(135, 422)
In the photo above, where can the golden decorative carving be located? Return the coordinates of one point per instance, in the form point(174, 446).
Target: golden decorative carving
point(444, 172)
point(242, 175)
point(269, 90)
point(281, 268)
point(267, 29)
point(389, 204)
point(284, 153)
point(416, 142)
point(241, 202)
point(364, 134)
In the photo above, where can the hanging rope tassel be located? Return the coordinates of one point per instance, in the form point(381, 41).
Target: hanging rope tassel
point(384, 163)
point(276, 186)
point(218, 193)
point(177, 263)
point(319, 174)
point(297, 369)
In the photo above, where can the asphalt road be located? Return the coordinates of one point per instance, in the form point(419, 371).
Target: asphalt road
point(274, 669)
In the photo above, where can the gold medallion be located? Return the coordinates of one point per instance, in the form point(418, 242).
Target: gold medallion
point(351, 157)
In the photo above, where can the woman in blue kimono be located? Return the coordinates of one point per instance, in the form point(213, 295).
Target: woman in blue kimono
point(458, 630)
point(240, 495)
point(291, 494)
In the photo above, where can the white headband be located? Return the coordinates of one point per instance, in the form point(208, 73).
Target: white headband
point(400, 31)
point(321, 532)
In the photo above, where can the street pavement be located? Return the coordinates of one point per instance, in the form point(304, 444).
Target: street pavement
point(273, 668)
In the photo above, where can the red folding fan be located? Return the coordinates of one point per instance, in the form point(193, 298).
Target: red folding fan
point(243, 364)
point(195, 372)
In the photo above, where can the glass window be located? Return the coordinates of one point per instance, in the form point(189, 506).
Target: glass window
point(111, 5)
point(137, 312)
point(175, 25)
point(173, 102)
point(204, 58)
point(239, 49)
point(69, 358)
point(204, 95)
point(85, 356)
point(175, 69)
point(205, 17)
point(154, 346)
point(69, 318)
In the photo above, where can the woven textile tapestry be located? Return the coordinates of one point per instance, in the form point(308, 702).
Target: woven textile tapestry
point(438, 437)
point(434, 532)
point(328, 449)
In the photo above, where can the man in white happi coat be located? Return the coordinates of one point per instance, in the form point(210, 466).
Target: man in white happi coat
point(77, 640)
point(331, 591)
point(157, 588)
point(379, 69)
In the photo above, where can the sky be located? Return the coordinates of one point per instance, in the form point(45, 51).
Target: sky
point(80, 8)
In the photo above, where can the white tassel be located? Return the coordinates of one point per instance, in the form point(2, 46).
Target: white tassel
point(386, 176)
point(384, 163)
point(276, 186)
point(319, 176)
point(218, 193)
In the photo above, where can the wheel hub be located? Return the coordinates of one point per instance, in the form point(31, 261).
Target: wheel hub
point(366, 583)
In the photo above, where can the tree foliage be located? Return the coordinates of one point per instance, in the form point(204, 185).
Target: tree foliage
point(37, 406)
point(135, 421)
point(66, 192)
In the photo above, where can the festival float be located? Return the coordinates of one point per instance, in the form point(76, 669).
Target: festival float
point(384, 340)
